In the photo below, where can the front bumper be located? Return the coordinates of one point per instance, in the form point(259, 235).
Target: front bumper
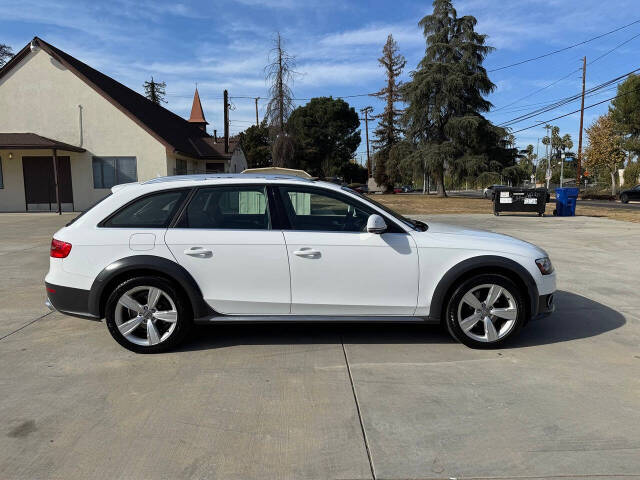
point(70, 301)
point(546, 305)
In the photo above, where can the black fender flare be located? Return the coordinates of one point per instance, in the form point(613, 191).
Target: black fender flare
point(483, 262)
point(148, 263)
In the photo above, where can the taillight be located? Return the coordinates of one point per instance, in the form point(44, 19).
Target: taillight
point(60, 249)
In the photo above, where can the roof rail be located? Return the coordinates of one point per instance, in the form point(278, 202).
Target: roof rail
point(213, 176)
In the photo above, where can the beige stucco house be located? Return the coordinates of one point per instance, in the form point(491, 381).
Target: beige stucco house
point(68, 133)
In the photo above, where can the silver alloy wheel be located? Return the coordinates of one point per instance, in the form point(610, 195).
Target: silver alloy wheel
point(490, 319)
point(146, 315)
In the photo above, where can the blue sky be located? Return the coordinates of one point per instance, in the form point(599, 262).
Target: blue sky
point(225, 44)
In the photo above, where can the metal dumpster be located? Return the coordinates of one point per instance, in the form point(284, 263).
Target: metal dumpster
point(512, 199)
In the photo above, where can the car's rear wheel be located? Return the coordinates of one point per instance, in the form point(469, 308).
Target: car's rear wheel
point(485, 311)
point(147, 315)
point(624, 198)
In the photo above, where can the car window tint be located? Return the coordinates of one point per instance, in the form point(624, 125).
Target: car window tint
point(315, 210)
point(151, 211)
point(236, 208)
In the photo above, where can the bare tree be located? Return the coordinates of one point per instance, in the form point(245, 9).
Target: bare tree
point(279, 74)
point(6, 54)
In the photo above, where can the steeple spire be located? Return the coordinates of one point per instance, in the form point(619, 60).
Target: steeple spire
point(197, 115)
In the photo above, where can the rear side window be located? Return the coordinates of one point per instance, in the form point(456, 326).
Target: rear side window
point(232, 208)
point(150, 211)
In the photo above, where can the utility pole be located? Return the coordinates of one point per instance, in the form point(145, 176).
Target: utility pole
point(366, 111)
point(256, 99)
point(226, 121)
point(579, 165)
point(548, 153)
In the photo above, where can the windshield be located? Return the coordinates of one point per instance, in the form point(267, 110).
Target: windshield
point(413, 224)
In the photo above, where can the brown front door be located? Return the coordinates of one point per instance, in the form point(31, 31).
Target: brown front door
point(40, 185)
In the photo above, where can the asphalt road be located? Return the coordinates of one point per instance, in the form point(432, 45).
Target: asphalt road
point(327, 401)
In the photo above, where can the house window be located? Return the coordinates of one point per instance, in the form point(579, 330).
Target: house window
point(181, 167)
point(110, 171)
point(1, 177)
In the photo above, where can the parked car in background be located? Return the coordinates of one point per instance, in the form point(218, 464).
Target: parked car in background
point(407, 188)
point(398, 190)
point(630, 194)
point(490, 191)
point(154, 258)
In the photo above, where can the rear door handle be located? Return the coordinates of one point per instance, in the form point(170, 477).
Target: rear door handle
point(307, 252)
point(198, 252)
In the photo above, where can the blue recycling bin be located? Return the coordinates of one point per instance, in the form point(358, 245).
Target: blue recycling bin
point(566, 201)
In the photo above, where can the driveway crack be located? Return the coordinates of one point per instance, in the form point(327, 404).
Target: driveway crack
point(25, 325)
point(355, 398)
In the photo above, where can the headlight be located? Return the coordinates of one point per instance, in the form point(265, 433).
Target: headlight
point(545, 266)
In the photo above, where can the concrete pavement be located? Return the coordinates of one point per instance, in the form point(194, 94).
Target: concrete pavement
point(278, 402)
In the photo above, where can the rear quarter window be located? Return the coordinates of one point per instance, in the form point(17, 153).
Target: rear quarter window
point(150, 211)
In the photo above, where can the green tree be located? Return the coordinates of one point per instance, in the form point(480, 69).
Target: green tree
point(326, 135)
point(353, 172)
point(528, 160)
point(401, 169)
point(558, 144)
point(625, 112)
point(605, 148)
point(155, 91)
point(445, 97)
point(632, 174)
point(388, 131)
point(256, 145)
point(6, 54)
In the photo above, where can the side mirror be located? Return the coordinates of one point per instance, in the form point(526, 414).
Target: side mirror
point(376, 224)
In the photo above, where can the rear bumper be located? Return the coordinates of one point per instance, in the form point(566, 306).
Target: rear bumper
point(68, 300)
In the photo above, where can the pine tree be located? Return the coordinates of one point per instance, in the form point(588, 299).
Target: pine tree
point(388, 132)
point(6, 54)
point(445, 98)
point(155, 91)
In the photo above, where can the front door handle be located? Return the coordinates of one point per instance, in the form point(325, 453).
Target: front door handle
point(198, 252)
point(307, 252)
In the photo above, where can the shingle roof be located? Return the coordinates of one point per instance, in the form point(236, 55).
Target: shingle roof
point(170, 129)
point(35, 142)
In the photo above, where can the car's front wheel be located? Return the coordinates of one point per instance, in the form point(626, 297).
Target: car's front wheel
point(485, 311)
point(624, 198)
point(147, 315)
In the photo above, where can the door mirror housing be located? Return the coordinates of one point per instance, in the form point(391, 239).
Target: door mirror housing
point(376, 224)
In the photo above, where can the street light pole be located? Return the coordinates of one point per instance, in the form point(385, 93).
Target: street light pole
point(562, 157)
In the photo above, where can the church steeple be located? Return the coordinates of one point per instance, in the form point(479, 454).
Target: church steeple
point(197, 115)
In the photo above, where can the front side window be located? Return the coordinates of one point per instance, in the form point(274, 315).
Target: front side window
point(110, 171)
point(233, 208)
point(151, 211)
point(312, 209)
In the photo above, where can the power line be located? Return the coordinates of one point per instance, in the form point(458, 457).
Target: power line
point(614, 48)
point(565, 101)
point(576, 111)
point(536, 91)
point(563, 49)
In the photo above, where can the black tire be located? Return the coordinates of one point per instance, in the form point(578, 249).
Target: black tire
point(624, 198)
point(184, 321)
point(453, 304)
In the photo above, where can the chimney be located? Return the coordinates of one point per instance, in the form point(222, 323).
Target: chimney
point(197, 115)
point(226, 122)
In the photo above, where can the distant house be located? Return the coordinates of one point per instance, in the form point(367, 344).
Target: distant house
point(62, 120)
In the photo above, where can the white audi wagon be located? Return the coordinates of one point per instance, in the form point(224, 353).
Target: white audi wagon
point(154, 258)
